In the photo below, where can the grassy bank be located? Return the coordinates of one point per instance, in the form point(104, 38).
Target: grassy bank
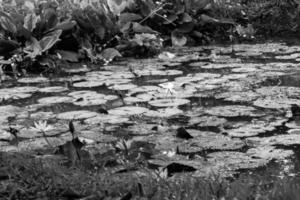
point(25, 177)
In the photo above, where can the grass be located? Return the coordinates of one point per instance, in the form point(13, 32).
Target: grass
point(24, 177)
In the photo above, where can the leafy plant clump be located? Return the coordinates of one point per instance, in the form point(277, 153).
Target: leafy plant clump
point(38, 36)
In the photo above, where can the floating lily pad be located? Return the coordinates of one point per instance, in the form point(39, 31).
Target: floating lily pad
point(279, 91)
point(209, 141)
point(42, 115)
point(123, 86)
point(233, 111)
point(9, 111)
point(141, 129)
point(256, 127)
point(269, 153)
point(235, 160)
point(110, 119)
point(55, 99)
point(53, 89)
point(33, 80)
point(168, 102)
point(207, 121)
point(289, 56)
point(286, 140)
point(293, 124)
point(163, 113)
point(221, 65)
point(247, 96)
point(276, 103)
point(17, 92)
point(128, 110)
point(88, 84)
point(42, 143)
point(79, 114)
point(97, 136)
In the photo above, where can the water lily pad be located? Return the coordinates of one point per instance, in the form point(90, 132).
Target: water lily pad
point(269, 153)
point(89, 84)
point(33, 80)
point(88, 98)
point(17, 92)
point(235, 160)
point(53, 89)
point(163, 113)
point(293, 124)
point(169, 102)
point(279, 91)
point(221, 66)
point(286, 140)
point(79, 114)
point(233, 111)
point(55, 99)
point(109, 119)
point(9, 111)
point(207, 121)
point(42, 143)
point(141, 129)
point(128, 110)
point(42, 115)
point(288, 56)
point(123, 86)
point(247, 96)
point(209, 141)
point(97, 136)
point(256, 127)
point(276, 103)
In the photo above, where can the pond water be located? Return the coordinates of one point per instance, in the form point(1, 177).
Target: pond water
point(207, 110)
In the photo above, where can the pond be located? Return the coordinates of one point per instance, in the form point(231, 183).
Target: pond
point(203, 110)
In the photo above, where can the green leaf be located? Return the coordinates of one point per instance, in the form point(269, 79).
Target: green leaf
point(33, 48)
point(65, 25)
point(49, 40)
point(70, 56)
point(137, 28)
point(117, 6)
point(178, 39)
point(7, 24)
point(128, 17)
point(110, 53)
point(30, 21)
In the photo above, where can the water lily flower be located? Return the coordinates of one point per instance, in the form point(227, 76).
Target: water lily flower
point(169, 153)
point(41, 126)
point(169, 87)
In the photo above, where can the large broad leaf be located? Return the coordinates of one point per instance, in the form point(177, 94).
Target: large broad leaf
point(49, 40)
point(50, 18)
point(138, 28)
point(128, 17)
point(33, 48)
point(30, 21)
point(70, 56)
point(210, 20)
point(110, 53)
point(178, 39)
point(7, 23)
point(117, 6)
point(65, 25)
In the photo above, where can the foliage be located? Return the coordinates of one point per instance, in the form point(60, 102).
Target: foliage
point(44, 33)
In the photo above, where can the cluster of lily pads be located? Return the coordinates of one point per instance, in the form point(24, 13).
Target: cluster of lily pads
point(206, 112)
